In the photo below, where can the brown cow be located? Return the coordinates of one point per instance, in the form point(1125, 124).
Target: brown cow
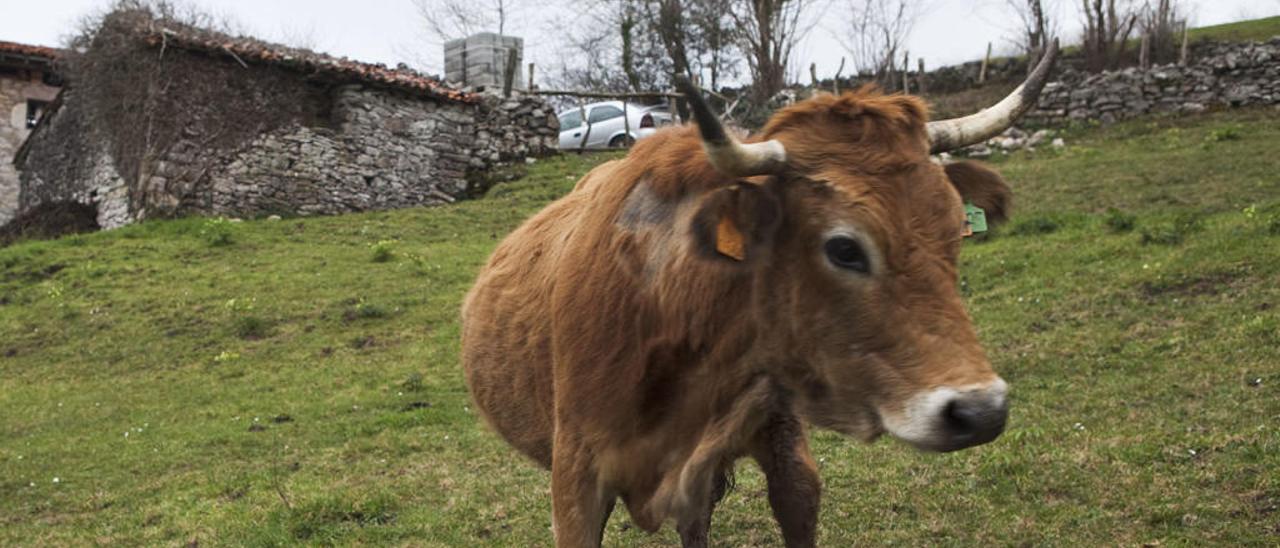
point(702, 300)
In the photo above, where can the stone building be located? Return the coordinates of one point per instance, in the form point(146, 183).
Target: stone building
point(160, 119)
point(27, 85)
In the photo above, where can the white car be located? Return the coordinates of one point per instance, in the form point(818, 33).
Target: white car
point(607, 126)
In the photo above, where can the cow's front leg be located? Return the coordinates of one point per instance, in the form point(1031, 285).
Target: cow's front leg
point(579, 506)
point(693, 532)
point(794, 487)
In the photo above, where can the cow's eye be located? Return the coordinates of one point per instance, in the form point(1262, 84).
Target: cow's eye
point(846, 252)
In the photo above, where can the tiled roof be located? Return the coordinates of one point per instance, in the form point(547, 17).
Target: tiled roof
point(249, 50)
point(41, 52)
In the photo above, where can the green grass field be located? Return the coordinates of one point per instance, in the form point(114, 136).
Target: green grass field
point(1255, 30)
point(296, 381)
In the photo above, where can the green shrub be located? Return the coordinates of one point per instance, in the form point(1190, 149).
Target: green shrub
point(383, 251)
point(413, 383)
point(1173, 232)
point(250, 327)
point(218, 232)
point(365, 309)
point(1226, 133)
point(1118, 222)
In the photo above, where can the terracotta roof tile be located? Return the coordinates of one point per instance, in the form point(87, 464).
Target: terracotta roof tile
point(249, 50)
point(14, 48)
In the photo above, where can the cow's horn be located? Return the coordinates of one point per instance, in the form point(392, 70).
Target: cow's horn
point(945, 135)
point(728, 155)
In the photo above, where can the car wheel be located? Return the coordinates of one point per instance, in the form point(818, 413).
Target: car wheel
point(621, 141)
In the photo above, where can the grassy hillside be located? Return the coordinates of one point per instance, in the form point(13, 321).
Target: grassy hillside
point(296, 381)
point(1253, 30)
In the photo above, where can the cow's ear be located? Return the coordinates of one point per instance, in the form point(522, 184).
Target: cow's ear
point(983, 188)
point(736, 222)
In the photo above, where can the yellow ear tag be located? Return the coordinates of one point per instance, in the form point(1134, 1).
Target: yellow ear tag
point(729, 240)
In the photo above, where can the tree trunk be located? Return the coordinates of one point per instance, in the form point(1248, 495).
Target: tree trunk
point(626, 26)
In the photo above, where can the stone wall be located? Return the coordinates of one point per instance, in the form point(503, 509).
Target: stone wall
point(15, 90)
point(1223, 74)
point(373, 148)
point(388, 151)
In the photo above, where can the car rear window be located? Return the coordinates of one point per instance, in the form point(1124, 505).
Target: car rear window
point(602, 113)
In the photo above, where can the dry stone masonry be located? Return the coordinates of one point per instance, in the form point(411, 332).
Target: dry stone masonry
point(268, 130)
point(1223, 75)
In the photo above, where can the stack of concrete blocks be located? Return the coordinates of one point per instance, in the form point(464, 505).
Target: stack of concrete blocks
point(480, 61)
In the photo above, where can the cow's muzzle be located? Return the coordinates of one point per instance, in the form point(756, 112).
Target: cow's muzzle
point(950, 418)
point(973, 418)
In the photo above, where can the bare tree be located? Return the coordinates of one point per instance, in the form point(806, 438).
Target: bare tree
point(615, 49)
point(874, 34)
point(1038, 26)
point(713, 49)
point(671, 26)
point(768, 31)
point(1107, 26)
point(449, 19)
point(1161, 28)
point(445, 20)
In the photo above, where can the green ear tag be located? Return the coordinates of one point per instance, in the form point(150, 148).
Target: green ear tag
point(975, 217)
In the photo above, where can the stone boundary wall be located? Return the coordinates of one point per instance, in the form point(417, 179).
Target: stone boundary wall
point(380, 149)
point(1223, 74)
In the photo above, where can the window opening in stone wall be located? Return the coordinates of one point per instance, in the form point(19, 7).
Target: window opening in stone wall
point(34, 110)
point(322, 111)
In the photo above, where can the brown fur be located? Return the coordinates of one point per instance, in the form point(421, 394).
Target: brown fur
point(608, 341)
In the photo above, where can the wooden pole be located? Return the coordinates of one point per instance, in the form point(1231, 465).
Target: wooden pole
point(509, 74)
point(906, 72)
point(982, 74)
point(531, 86)
point(920, 75)
point(582, 110)
point(835, 82)
point(626, 126)
point(813, 74)
point(1182, 54)
point(1144, 52)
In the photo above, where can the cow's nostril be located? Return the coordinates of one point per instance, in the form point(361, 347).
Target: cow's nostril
point(973, 420)
point(961, 418)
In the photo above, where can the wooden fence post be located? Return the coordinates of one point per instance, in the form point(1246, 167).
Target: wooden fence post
point(906, 72)
point(1144, 52)
point(920, 76)
point(509, 73)
point(835, 82)
point(982, 74)
point(531, 86)
point(626, 126)
point(582, 110)
point(1182, 54)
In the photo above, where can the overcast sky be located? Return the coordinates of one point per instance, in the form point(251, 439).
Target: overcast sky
point(389, 31)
